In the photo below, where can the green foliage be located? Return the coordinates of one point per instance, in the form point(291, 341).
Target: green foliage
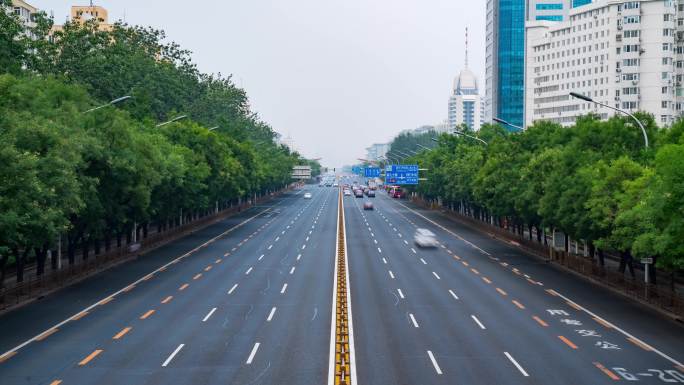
point(90, 176)
point(594, 181)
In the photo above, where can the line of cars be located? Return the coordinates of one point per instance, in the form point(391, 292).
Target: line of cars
point(359, 191)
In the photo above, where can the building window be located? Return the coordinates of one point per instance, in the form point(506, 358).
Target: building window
point(550, 17)
point(542, 7)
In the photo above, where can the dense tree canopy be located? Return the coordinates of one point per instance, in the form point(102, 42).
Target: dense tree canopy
point(91, 176)
point(595, 181)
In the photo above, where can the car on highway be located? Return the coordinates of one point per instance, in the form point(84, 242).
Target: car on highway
point(346, 192)
point(371, 194)
point(396, 192)
point(425, 238)
point(307, 195)
point(358, 193)
point(367, 205)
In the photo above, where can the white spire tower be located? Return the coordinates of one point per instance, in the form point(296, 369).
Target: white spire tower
point(464, 101)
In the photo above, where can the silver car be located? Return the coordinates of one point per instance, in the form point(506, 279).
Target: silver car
point(425, 238)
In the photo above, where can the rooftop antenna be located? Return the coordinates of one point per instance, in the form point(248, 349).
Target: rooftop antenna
point(466, 47)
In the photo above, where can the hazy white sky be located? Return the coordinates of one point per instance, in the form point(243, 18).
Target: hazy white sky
point(335, 75)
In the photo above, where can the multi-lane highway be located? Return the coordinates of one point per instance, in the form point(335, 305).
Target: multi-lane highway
point(249, 300)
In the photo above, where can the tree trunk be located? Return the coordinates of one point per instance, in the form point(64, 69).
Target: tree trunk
point(21, 264)
point(3, 268)
point(539, 234)
point(71, 248)
point(567, 243)
point(107, 241)
point(601, 258)
point(592, 251)
point(41, 257)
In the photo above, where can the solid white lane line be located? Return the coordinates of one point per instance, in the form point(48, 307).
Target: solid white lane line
point(299, 256)
point(422, 260)
point(270, 315)
point(168, 360)
point(414, 250)
point(436, 276)
point(206, 317)
point(510, 358)
point(413, 319)
point(391, 275)
point(400, 293)
point(292, 270)
point(248, 271)
point(261, 257)
point(453, 294)
point(434, 362)
point(232, 288)
point(477, 321)
point(384, 260)
point(283, 289)
point(253, 353)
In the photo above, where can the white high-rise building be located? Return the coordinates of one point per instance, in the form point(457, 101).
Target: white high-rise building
point(464, 102)
point(626, 54)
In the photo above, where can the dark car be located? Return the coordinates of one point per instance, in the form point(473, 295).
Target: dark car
point(368, 205)
point(358, 193)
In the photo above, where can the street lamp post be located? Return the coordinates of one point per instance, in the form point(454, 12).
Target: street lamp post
point(470, 136)
point(115, 101)
point(177, 118)
point(506, 123)
point(213, 128)
point(588, 99)
point(423, 147)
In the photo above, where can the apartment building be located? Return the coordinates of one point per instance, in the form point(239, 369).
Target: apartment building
point(626, 54)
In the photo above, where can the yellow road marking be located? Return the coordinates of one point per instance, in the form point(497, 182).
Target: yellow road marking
point(486, 280)
point(46, 334)
point(540, 321)
point(606, 371)
point(465, 263)
point(639, 344)
point(122, 333)
point(501, 291)
point(568, 342)
point(148, 277)
point(218, 261)
point(531, 281)
point(183, 286)
point(149, 313)
point(208, 268)
point(553, 293)
point(474, 271)
point(7, 356)
point(90, 357)
point(106, 301)
point(79, 316)
point(457, 257)
point(198, 276)
point(574, 305)
point(518, 304)
point(56, 382)
point(129, 288)
point(167, 299)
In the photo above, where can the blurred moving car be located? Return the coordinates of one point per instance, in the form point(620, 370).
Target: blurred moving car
point(307, 195)
point(358, 193)
point(368, 205)
point(371, 194)
point(347, 192)
point(425, 238)
point(396, 192)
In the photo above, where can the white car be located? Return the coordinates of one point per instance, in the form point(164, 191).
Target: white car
point(347, 192)
point(307, 195)
point(425, 238)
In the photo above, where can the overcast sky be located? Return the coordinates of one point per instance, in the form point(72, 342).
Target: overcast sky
point(335, 75)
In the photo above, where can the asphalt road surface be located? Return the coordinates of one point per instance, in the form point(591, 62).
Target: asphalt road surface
point(248, 301)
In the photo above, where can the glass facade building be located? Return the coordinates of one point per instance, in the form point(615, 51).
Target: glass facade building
point(578, 3)
point(510, 71)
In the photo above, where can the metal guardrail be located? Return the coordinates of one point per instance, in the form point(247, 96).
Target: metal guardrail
point(37, 286)
point(655, 295)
